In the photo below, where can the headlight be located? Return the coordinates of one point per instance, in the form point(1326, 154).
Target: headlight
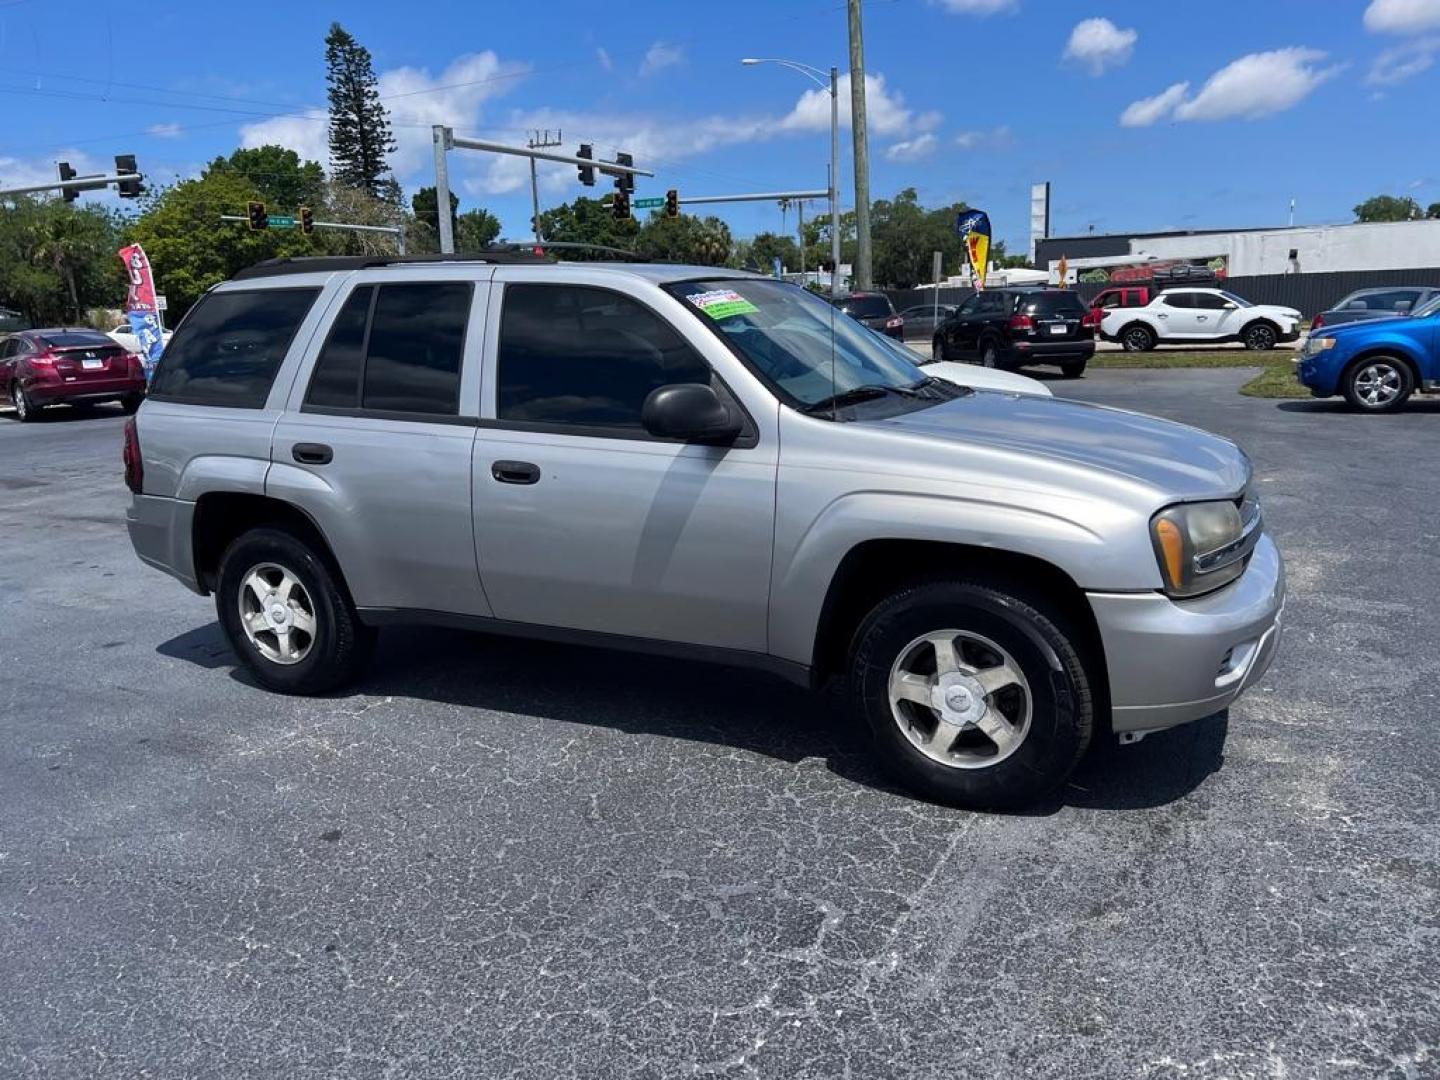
point(1319, 344)
point(1202, 546)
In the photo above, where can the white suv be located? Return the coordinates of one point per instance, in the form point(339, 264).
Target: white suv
point(1183, 315)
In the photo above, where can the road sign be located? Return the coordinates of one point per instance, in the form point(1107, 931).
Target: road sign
point(281, 221)
point(648, 204)
point(161, 304)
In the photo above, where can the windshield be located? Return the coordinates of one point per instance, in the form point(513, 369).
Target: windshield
point(794, 340)
point(76, 339)
point(864, 307)
point(1430, 307)
point(1239, 301)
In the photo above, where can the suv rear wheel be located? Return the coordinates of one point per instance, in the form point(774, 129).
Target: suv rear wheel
point(989, 354)
point(286, 617)
point(1074, 369)
point(975, 694)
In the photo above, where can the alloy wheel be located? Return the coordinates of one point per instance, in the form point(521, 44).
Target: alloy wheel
point(987, 358)
point(1137, 340)
point(277, 614)
point(1260, 338)
point(960, 699)
point(1379, 383)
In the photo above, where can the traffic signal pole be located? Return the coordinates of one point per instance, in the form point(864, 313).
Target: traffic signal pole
point(445, 140)
point(394, 230)
point(80, 183)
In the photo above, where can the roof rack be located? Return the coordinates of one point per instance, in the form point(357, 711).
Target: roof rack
point(319, 264)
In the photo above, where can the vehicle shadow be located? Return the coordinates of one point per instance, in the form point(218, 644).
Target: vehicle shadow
point(1339, 405)
point(65, 414)
point(736, 708)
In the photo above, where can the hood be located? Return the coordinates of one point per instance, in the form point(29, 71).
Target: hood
point(983, 378)
point(1177, 461)
point(1358, 325)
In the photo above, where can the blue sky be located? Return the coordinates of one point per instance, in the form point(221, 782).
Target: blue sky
point(1163, 115)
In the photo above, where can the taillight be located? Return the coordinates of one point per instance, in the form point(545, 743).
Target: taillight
point(1319, 321)
point(134, 467)
point(1093, 317)
point(1022, 322)
point(43, 359)
point(135, 366)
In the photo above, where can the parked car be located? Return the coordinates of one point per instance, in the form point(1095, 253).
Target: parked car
point(1122, 296)
point(1192, 315)
point(1375, 363)
point(1011, 327)
point(700, 462)
point(1382, 303)
point(123, 336)
point(970, 375)
point(921, 320)
point(873, 310)
point(63, 366)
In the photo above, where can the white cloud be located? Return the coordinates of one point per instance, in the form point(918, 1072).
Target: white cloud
point(1404, 61)
point(1402, 16)
point(886, 113)
point(916, 149)
point(603, 56)
point(1147, 111)
point(978, 7)
point(1260, 84)
point(660, 56)
point(165, 131)
point(1100, 44)
point(1257, 85)
point(995, 138)
point(415, 100)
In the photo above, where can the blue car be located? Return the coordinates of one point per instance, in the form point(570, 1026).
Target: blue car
point(1376, 364)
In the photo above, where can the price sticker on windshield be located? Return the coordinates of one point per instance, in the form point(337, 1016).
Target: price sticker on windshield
point(722, 303)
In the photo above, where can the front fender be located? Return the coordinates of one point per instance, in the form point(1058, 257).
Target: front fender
point(1117, 558)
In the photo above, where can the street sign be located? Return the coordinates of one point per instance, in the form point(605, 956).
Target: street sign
point(648, 204)
point(281, 221)
point(161, 304)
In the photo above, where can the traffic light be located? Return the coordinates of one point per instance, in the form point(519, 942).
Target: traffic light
point(128, 189)
point(255, 211)
point(70, 194)
point(620, 205)
point(672, 203)
point(625, 181)
point(307, 219)
point(587, 172)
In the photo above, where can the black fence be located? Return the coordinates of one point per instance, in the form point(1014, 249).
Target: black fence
point(1309, 293)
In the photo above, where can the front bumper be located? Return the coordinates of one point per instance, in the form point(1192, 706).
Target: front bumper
point(1171, 662)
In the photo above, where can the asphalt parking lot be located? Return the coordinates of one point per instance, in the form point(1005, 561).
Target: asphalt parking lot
point(510, 859)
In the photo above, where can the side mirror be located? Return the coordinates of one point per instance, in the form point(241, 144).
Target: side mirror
point(1230, 305)
point(690, 411)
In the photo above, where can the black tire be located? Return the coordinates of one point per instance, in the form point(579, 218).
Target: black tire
point(130, 403)
point(1378, 384)
point(1074, 369)
point(26, 411)
point(937, 350)
point(1137, 337)
point(1260, 336)
point(989, 353)
point(340, 645)
point(1042, 646)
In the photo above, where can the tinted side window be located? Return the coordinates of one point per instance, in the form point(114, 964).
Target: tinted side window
point(588, 357)
point(970, 306)
point(1389, 301)
point(1053, 303)
point(417, 338)
point(230, 346)
point(336, 381)
point(992, 303)
point(1178, 300)
point(1209, 301)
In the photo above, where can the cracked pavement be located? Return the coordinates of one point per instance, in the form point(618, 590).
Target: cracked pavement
point(512, 859)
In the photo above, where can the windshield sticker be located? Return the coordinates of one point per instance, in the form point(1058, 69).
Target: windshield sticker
point(722, 303)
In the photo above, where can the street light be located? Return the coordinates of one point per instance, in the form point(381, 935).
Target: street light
point(817, 76)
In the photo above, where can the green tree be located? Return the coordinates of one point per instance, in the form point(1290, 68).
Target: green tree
point(588, 221)
point(58, 260)
point(1433, 210)
point(358, 207)
point(767, 246)
point(360, 137)
point(475, 230)
point(1388, 208)
point(425, 229)
point(685, 239)
point(191, 249)
point(283, 181)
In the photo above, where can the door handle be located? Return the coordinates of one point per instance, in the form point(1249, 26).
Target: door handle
point(312, 453)
point(1201, 318)
point(515, 472)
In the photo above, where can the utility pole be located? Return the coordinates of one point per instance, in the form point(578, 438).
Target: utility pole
point(862, 149)
point(442, 137)
point(540, 141)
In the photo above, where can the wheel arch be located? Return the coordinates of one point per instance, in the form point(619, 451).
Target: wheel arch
point(1375, 352)
point(873, 569)
point(223, 516)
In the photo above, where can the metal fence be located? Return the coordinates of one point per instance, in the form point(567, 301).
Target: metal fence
point(1310, 293)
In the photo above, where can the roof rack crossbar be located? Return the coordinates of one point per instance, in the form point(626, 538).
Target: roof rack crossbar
point(319, 264)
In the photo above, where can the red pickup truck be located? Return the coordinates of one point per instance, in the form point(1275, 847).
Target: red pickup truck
point(1123, 297)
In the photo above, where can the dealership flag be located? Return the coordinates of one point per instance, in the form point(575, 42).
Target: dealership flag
point(974, 228)
point(140, 307)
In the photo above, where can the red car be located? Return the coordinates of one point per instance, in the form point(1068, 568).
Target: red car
point(68, 367)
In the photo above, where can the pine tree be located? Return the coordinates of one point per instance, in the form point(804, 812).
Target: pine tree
point(360, 136)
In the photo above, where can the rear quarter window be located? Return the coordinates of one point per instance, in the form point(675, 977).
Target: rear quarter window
point(1052, 303)
point(867, 307)
point(230, 346)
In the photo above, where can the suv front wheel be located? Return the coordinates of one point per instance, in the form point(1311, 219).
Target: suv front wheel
point(286, 617)
point(975, 693)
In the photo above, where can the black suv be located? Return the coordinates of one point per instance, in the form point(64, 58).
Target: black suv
point(1012, 327)
point(874, 310)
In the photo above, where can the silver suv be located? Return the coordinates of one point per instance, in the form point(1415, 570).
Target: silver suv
point(696, 462)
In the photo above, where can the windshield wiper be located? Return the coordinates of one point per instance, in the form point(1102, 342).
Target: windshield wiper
point(857, 394)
